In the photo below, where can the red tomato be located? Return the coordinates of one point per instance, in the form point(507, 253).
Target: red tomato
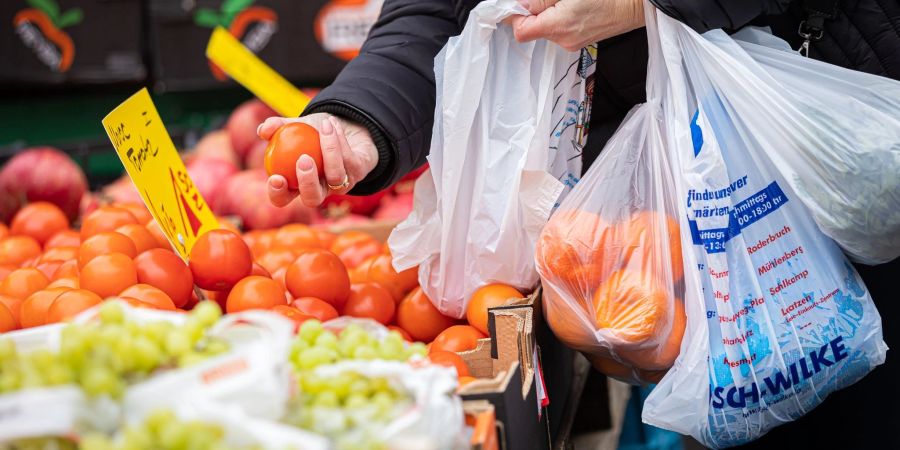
point(219, 259)
point(138, 210)
point(140, 235)
point(349, 239)
point(276, 258)
point(292, 313)
point(296, 236)
point(261, 271)
point(21, 283)
point(64, 238)
point(68, 269)
point(318, 308)
point(107, 275)
point(166, 271)
point(486, 297)
point(59, 254)
point(370, 300)
point(354, 255)
point(70, 303)
point(150, 295)
point(287, 145)
point(402, 332)
point(105, 218)
point(16, 250)
point(449, 359)
point(381, 271)
point(420, 318)
point(255, 292)
point(457, 338)
point(320, 274)
point(40, 220)
point(104, 243)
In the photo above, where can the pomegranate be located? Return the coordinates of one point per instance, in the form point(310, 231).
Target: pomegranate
point(354, 204)
point(209, 176)
point(217, 145)
point(122, 191)
point(244, 195)
point(243, 123)
point(41, 174)
point(256, 157)
point(396, 207)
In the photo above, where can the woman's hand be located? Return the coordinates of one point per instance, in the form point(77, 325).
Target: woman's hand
point(573, 24)
point(348, 154)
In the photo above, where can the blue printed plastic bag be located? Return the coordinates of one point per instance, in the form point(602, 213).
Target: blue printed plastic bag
point(777, 318)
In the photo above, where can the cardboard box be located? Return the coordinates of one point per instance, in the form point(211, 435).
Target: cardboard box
point(76, 43)
point(481, 418)
point(308, 42)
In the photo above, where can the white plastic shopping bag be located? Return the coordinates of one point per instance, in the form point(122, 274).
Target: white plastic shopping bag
point(844, 142)
point(777, 318)
point(510, 122)
point(610, 257)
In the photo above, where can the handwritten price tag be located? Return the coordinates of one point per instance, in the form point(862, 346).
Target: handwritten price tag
point(151, 160)
point(247, 69)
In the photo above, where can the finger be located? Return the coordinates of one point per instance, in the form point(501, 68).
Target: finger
point(266, 129)
point(547, 25)
point(537, 6)
point(311, 190)
point(333, 142)
point(350, 163)
point(279, 194)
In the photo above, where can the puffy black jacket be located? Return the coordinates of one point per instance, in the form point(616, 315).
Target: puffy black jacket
point(390, 86)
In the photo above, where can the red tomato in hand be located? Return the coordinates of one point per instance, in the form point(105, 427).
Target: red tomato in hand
point(370, 300)
point(320, 274)
point(219, 259)
point(287, 145)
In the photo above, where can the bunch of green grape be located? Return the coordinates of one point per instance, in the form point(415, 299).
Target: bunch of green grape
point(349, 408)
point(163, 430)
point(106, 355)
point(315, 346)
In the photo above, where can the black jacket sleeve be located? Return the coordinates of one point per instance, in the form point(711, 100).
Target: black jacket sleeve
point(390, 89)
point(705, 15)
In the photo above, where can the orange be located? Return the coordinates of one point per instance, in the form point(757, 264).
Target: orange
point(23, 282)
point(138, 210)
point(287, 145)
point(13, 304)
point(487, 297)
point(402, 332)
point(63, 238)
point(370, 301)
point(449, 359)
point(662, 355)
point(315, 307)
point(381, 271)
point(105, 218)
point(326, 238)
point(6, 269)
point(354, 255)
point(631, 305)
point(68, 269)
point(40, 220)
point(457, 338)
point(141, 237)
point(296, 236)
point(104, 243)
point(255, 292)
point(319, 273)
point(70, 303)
point(572, 254)
point(150, 295)
point(16, 250)
point(108, 275)
point(219, 259)
point(360, 273)
point(69, 282)
point(165, 271)
point(7, 321)
point(260, 271)
point(33, 310)
point(418, 316)
point(349, 239)
point(259, 241)
point(48, 268)
point(654, 232)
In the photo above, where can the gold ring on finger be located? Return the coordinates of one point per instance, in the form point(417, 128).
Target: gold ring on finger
point(343, 185)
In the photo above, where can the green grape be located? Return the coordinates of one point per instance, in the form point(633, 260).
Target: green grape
point(147, 354)
point(327, 339)
point(207, 313)
point(418, 349)
point(310, 330)
point(315, 356)
point(365, 352)
point(111, 313)
point(178, 343)
point(327, 399)
point(98, 380)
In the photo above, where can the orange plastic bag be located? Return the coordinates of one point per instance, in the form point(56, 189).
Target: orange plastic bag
point(610, 258)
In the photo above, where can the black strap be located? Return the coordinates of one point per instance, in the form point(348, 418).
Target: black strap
point(817, 12)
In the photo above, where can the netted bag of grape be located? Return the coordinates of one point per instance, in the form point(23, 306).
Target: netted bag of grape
point(610, 257)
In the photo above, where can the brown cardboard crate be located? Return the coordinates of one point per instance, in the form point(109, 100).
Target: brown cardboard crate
point(481, 417)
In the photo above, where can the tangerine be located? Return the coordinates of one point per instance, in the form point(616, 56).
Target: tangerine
point(418, 316)
point(70, 303)
point(108, 275)
point(486, 297)
point(40, 220)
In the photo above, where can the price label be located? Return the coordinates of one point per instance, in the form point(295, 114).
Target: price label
point(151, 160)
point(251, 72)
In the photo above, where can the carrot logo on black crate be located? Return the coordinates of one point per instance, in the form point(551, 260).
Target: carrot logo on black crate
point(254, 26)
point(41, 29)
point(343, 25)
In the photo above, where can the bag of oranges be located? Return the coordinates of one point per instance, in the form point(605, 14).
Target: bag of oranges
point(610, 257)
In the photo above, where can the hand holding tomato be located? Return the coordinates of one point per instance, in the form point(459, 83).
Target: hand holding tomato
point(348, 153)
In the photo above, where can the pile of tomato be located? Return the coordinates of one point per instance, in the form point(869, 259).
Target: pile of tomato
point(50, 272)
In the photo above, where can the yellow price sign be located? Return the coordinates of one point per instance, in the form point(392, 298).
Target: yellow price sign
point(247, 69)
point(151, 160)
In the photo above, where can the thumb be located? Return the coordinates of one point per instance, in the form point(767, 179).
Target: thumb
point(546, 25)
